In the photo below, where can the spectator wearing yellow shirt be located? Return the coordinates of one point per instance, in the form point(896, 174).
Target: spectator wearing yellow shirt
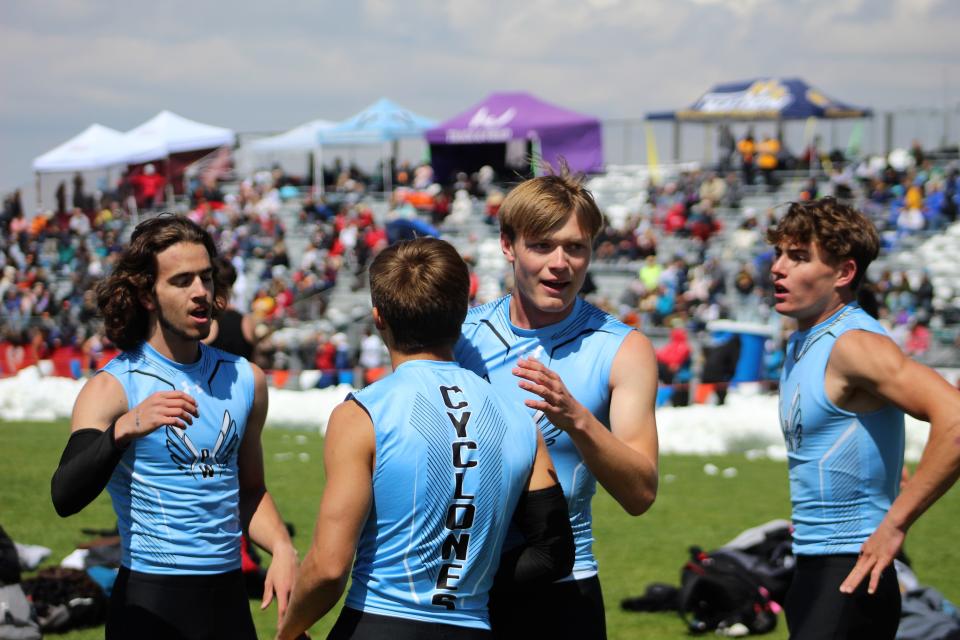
point(767, 153)
point(649, 273)
point(747, 149)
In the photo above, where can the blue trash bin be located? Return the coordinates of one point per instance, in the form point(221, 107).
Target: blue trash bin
point(752, 336)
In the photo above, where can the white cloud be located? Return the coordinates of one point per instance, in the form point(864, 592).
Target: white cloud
point(740, 7)
point(69, 62)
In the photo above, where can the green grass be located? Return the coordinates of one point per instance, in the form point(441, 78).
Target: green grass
point(692, 509)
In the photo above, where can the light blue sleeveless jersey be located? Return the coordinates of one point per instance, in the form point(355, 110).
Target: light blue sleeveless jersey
point(452, 460)
point(580, 349)
point(844, 466)
point(176, 492)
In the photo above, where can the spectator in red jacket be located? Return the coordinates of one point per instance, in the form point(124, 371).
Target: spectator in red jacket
point(149, 187)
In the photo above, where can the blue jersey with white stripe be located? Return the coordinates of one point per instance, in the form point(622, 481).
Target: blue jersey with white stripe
point(176, 491)
point(844, 466)
point(580, 349)
point(452, 459)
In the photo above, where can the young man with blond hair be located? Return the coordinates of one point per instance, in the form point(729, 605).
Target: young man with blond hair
point(589, 381)
point(844, 389)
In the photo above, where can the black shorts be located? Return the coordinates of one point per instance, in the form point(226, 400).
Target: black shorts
point(361, 625)
point(571, 609)
point(195, 607)
point(817, 610)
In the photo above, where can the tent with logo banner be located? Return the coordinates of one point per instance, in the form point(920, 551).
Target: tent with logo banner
point(763, 99)
point(758, 100)
point(506, 130)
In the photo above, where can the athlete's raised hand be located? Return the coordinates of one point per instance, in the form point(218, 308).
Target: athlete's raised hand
point(173, 408)
point(876, 554)
point(556, 402)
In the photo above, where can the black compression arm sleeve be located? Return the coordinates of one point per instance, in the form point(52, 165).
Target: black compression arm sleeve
point(86, 465)
point(547, 555)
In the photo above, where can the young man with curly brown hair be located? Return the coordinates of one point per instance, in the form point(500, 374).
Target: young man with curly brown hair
point(844, 389)
point(171, 428)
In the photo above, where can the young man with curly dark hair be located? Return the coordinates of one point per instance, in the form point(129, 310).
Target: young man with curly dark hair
point(171, 428)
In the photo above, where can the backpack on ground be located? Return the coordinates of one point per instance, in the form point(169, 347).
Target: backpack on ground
point(735, 590)
point(66, 599)
point(767, 552)
point(719, 592)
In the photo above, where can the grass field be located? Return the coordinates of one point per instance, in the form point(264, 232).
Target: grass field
point(692, 509)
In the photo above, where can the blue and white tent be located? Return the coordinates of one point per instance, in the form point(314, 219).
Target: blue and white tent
point(763, 99)
point(383, 121)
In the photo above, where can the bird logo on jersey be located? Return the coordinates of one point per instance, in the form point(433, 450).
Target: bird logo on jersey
point(193, 461)
point(791, 424)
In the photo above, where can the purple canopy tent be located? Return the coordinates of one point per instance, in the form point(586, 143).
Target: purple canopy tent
point(491, 132)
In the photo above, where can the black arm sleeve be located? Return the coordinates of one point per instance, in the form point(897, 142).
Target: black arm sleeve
point(547, 555)
point(86, 465)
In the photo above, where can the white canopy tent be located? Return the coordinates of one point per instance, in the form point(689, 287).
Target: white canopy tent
point(100, 148)
point(95, 152)
point(302, 138)
point(167, 133)
point(96, 147)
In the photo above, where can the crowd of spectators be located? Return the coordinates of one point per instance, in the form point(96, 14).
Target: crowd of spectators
point(685, 276)
point(914, 196)
point(684, 207)
point(909, 197)
point(50, 263)
point(685, 283)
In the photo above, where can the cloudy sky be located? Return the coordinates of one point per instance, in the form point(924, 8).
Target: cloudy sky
point(269, 66)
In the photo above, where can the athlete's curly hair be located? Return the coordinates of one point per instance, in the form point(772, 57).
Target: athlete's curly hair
point(226, 276)
point(119, 294)
point(839, 230)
